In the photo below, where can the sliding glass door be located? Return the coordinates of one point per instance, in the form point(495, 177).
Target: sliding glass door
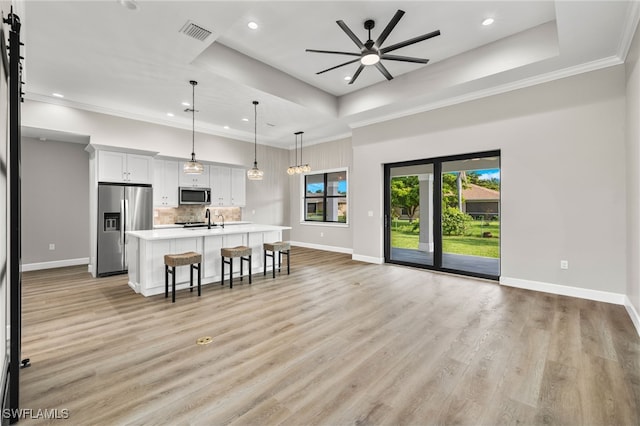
point(444, 214)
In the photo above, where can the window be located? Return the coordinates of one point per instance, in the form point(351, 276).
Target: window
point(325, 197)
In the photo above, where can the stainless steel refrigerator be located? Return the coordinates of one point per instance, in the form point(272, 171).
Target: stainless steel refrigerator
point(121, 208)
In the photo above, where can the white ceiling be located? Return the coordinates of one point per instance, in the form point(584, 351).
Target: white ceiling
point(107, 58)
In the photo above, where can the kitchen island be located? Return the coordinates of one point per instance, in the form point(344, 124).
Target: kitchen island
point(146, 250)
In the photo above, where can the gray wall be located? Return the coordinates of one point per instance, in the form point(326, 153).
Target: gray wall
point(325, 156)
point(55, 190)
point(633, 175)
point(562, 147)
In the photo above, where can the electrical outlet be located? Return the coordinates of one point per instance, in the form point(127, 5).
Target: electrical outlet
point(52, 246)
point(564, 264)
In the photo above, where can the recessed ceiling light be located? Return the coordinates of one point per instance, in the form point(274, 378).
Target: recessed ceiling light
point(226, 127)
point(347, 78)
point(252, 25)
point(57, 95)
point(170, 114)
point(245, 119)
point(488, 21)
point(186, 104)
point(129, 4)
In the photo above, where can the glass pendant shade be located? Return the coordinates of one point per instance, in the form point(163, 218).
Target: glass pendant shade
point(291, 170)
point(255, 173)
point(193, 167)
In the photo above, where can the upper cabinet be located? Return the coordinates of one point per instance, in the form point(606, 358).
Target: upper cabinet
point(227, 186)
point(201, 180)
point(122, 167)
point(238, 187)
point(165, 183)
point(220, 178)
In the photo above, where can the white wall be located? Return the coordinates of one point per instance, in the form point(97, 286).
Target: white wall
point(563, 175)
point(55, 189)
point(325, 156)
point(633, 178)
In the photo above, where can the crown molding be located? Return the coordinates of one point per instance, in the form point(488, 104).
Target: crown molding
point(629, 29)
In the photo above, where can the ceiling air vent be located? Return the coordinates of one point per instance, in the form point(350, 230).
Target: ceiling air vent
point(195, 31)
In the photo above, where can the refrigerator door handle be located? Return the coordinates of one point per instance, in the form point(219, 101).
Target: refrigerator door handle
point(123, 220)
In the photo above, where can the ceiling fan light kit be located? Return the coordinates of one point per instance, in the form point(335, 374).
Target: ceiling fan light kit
point(372, 53)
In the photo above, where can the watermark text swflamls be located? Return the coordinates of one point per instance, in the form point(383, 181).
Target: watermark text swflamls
point(39, 414)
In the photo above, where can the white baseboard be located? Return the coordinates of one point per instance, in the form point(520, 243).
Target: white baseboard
point(631, 310)
point(368, 259)
point(322, 247)
point(54, 264)
point(563, 290)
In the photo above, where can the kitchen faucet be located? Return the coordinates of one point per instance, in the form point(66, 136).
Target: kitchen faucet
point(222, 220)
point(207, 215)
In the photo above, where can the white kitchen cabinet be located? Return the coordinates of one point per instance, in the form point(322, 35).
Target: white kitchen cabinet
point(220, 181)
point(238, 187)
point(165, 183)
point(201, 180)
point(121, 167)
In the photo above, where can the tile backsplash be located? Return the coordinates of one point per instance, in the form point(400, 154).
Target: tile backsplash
point(169, 215)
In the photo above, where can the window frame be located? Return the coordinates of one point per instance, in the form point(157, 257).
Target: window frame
point(324, 197)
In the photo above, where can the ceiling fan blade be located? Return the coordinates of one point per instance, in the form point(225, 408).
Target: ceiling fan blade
point(384, 71)
point(333, 52)
point(350, 33)
point(404, 59)
point(338, 66)
point(390, 26)
point(410, 41)
point(356, 74)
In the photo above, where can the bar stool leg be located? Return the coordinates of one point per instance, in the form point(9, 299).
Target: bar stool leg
point(241, 272)
point(222, 276)
point(250, 269)
point(273, 264)
point(166, 281)
point(288, 256)
point(191, 278)
point(264, 264)
point(231, 272)
point(173, 285)
point(199, 280)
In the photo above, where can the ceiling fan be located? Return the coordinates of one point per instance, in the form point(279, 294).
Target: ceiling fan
point(371, 53)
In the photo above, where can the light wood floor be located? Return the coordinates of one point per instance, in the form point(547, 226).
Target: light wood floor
point(336, 342)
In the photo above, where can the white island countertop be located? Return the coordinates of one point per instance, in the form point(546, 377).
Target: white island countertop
point(146, 251)
point(174, 233)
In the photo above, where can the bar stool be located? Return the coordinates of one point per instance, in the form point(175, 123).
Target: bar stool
point(282, 247)
point(243, 252)
point(171, 261)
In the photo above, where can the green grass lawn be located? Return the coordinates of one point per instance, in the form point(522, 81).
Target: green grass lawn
point(404, 236)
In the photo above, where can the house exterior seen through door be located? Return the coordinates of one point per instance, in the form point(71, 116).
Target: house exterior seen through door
point(444, 214)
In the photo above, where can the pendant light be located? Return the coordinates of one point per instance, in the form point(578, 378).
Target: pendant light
point(255, 173)
point(193, 167)
point(292, 169)
point(299, 167)
point(303, 167)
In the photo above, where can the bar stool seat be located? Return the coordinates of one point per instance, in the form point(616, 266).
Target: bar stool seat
point(174, 260)
point(243, 252)
point(282, 247)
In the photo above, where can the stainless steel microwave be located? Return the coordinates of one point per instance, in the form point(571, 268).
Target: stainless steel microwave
point(189, 195)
